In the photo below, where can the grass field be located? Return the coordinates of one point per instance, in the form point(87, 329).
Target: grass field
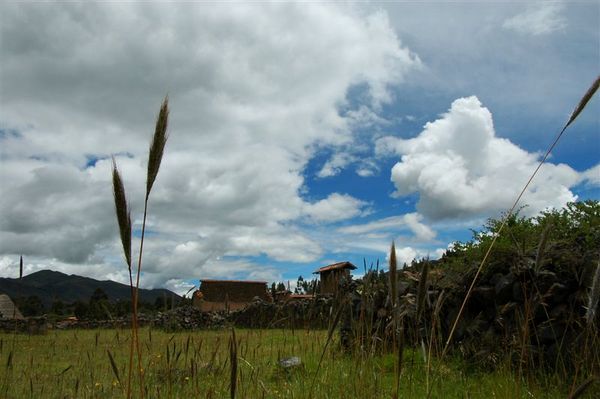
point(76, 364)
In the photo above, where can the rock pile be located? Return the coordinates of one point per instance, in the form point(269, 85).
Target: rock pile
point(540, 311)
point(300, 313)
point(31, 325)
point(534, 315)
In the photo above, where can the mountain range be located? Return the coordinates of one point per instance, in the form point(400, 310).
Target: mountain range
point(50, 285)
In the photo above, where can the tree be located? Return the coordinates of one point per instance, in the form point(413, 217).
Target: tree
point(58, 307)
point(81, 310)
point(99, 306)
point(163, 303)
point(281, 287)
point(121, 308)
point(299, 286)
point(30, 306)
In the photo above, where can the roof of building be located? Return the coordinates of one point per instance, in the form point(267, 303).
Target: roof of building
point(335, 266)
point(232, 281)
point(8, 310)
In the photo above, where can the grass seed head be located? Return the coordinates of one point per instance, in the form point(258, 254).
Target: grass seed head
point(123, 214)
point(584, 100)
point(393, 276)
point(422, 289)
point(158, 145)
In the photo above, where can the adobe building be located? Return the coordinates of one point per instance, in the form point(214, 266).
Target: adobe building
point(218, 295)
point(331, 275)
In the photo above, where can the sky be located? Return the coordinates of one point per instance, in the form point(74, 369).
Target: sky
point(300, 133)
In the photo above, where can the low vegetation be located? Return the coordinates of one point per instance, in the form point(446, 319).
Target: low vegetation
point(93, 364)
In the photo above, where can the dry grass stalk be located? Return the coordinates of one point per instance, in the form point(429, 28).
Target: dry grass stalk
point(332, 328)
point(591, 314)
point(114, 367)
point(21, 267)
point(581, 389)
point(123, 217)
point(124, 221)
point(155, 155)
point(541, 249)
point(422, 290)
point(398, 340)
point(233, 360)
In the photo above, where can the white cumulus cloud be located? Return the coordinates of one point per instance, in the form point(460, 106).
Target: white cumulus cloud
point(592, 176)
point(412, 221)
point(334, 208)
point(460, 168)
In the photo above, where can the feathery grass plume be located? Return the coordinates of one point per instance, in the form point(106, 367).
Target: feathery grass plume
point(155, 155)
point(584, 100)
point(591, 313)
point(422, 289)
point(123, 214)
point(398, 340)
point(158, 144)
point(393, 276)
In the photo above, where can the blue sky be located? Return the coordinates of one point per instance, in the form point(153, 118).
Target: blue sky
point(300, 133)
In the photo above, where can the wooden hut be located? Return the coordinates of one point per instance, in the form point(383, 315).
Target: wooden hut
point(8, 310)
point(332, 274)
point(217, 295)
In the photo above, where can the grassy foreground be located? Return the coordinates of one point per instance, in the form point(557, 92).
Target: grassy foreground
point(76, 364)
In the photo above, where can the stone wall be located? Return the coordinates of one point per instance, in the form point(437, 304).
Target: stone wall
point(536, 316)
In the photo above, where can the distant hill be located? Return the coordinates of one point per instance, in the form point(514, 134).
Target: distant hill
point(49, 285)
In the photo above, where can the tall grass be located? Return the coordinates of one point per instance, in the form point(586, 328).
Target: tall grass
point(76, 364)
point(159, 140)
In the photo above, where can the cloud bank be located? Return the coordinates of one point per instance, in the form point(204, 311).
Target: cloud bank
point(254, 90)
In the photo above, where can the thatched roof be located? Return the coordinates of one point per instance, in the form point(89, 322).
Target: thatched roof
point(8, 310)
